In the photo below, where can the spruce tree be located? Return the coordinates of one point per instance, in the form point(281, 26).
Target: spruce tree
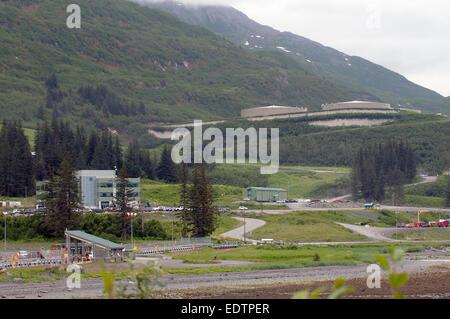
point(132, 159)
point(167, 170)
point(122, 199)
point(202, 213)
point(16, 161)
point(63, 200)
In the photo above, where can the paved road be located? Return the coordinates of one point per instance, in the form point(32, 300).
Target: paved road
point(299, 207)
point(372, 233)
point(250, 225)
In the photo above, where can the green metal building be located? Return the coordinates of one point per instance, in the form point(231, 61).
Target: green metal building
point(263, 194)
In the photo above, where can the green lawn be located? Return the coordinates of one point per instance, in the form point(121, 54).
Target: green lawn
point(35, 274)
point(300, 181)
point(424, 201)
point(321, 226)
point(169, 194)
point(306, 227)
point(427, 234)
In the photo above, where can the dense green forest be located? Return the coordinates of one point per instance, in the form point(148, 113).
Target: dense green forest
point(106, 226)
point(57, 140)
point(305, 144)
point(378, 167)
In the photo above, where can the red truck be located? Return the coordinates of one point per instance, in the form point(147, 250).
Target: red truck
point(445, 223)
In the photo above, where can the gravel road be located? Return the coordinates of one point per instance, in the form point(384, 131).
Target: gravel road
point(250, 225)
point(372, 233)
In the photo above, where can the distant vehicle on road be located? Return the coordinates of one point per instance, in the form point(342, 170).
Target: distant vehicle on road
point(444, 223)
point(243, 208)
point(369, 205)
point(23, 254)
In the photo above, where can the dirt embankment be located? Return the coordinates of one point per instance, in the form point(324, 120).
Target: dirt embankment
point(424, 286)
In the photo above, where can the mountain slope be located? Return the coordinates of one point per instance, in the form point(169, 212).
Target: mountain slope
point(350, 71)
point(126, 55)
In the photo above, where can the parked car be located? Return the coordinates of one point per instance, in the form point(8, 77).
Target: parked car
point(23, 254)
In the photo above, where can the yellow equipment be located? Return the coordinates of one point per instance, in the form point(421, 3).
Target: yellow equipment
point(420, 212)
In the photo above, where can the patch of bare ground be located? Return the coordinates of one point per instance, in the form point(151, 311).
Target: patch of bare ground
point(430, 285)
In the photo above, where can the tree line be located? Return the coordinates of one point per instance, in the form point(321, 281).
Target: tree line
point(16, 161)
point(379, 168)
point(100, 150)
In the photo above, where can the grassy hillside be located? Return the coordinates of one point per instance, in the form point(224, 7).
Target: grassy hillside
point(140, 55)
point(169, 194)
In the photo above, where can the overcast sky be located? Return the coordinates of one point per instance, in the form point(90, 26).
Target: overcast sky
point(411, 37)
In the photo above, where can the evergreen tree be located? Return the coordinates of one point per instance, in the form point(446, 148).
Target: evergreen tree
point(118, 161)
point(167, 170)
point(202, 213)
point(122, 199)
point(16, 162)
point(380, 167)
point(52, 82)
point(146, 164)
point(62, 200)
point(40, 114)
point(132, 158)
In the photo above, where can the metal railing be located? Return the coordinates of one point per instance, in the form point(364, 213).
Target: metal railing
point(157, 250)
point(14, 261)
point(167, 244)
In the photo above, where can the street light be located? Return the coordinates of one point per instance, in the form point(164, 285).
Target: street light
point(4, 214)
point(132, 215)
point(396, 225)
point(245, 240)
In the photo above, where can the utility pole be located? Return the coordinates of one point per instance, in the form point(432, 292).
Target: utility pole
point(132, 239)
point(396, 225)
point(245, 240)
point(4, 214)
point(289, 185)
